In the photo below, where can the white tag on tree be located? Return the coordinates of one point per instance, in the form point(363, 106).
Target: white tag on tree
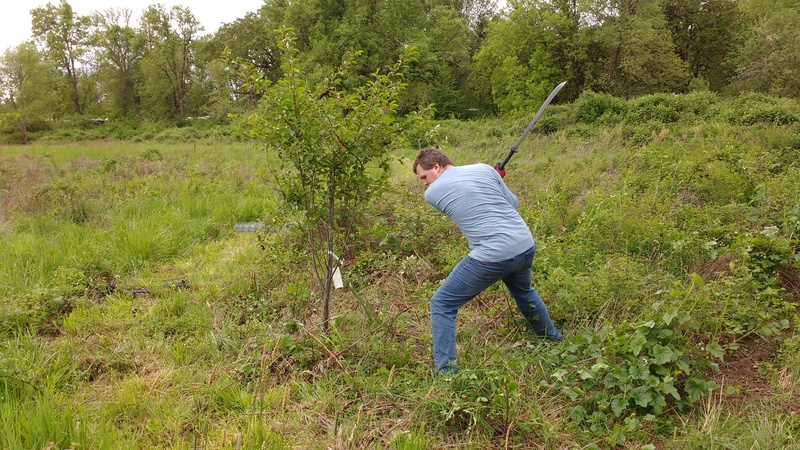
point(337, 278)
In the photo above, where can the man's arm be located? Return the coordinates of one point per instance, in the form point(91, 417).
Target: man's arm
point(509, 196)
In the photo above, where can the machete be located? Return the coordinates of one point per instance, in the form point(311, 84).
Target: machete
point(502, 165)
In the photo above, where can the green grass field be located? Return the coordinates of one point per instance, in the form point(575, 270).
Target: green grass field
point(667, 254)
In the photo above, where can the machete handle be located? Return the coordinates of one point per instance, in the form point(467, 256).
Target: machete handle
point(502, 165)
point(500, 170)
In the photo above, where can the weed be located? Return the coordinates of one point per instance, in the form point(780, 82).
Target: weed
point(619, 376)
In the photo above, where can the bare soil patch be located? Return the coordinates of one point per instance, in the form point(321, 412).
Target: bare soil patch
point(740, 371)
point(718, 268)
point(790, 281)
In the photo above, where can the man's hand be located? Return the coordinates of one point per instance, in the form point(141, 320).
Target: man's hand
point(502, 172)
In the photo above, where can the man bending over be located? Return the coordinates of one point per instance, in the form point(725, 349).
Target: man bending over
point(501, 248)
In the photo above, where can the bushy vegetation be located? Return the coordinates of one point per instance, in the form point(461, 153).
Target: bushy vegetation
point(667, 232)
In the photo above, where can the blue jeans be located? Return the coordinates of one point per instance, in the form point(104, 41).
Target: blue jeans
point(469, 278)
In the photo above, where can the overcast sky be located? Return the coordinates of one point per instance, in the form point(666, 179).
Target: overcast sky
point(15, 16)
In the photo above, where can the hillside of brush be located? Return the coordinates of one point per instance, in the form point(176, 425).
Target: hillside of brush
point(133, 315)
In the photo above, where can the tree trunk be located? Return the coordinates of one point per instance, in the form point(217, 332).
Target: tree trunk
point(23, 129)
point(326, 292)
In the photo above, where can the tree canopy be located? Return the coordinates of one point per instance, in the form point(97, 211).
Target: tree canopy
point(474, 57)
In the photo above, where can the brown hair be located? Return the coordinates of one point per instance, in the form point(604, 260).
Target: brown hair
point(430, 156)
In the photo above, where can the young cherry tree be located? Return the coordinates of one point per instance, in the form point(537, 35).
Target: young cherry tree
point(334, 146)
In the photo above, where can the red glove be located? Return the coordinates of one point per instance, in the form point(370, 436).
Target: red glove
point(502, 172)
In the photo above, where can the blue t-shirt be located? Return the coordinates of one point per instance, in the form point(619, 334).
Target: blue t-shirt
point(484, 209)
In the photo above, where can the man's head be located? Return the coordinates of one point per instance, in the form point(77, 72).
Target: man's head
point(430, 163)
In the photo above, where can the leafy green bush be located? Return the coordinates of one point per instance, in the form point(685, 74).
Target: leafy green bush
point(752, 108)
point(670, 108)
point(660, 108)
point(178, 135)
point(736, 304)
point(701, 105)
point(641, 134)
point(789, 353)
point(592, 107)
point(620, 375)
point(480, 400)
point(555, 118)
point(39, 311)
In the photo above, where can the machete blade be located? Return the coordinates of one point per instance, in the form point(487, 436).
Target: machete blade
point(514, 147)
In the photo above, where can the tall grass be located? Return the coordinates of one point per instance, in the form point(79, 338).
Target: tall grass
point(139, 208)
point(39, 423)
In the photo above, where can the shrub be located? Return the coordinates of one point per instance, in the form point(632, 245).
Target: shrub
point(480, 400)
point(661, 108)
point(590, 107)
point(752, 108)
point(702, 104)
point(619, 376)
point(39, 310)
point(556, 118)
point(641, 134)
point(178, 135)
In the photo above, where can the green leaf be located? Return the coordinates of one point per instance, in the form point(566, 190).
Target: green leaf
point(696, 279)
point(577, 414)
point(669, 315)
point(632, 424)
point(616, 378)
point(639, 372)
point(638, 341)
point(653, 381)
point(683, 366)
point(663, 354)
point(660, 370)
point(618, 405)
point(642, 395)
point(559, 374)
point(716, 350)
point(669, 389)
point(572, 392)
point(696, 388)
point(658, 403)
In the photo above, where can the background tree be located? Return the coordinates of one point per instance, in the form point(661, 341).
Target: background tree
point(479, 14)
point(520, 62)
point(381, 29)
point(64, 35)
point(328, 29)
point(168, 65)
point(471, 56)
point(26, 79)
point(706, 34)
point(252, 39)
point(637, 49)
point(439, 74)
point(334, 146)
point(769, 60)
point(119, 49)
